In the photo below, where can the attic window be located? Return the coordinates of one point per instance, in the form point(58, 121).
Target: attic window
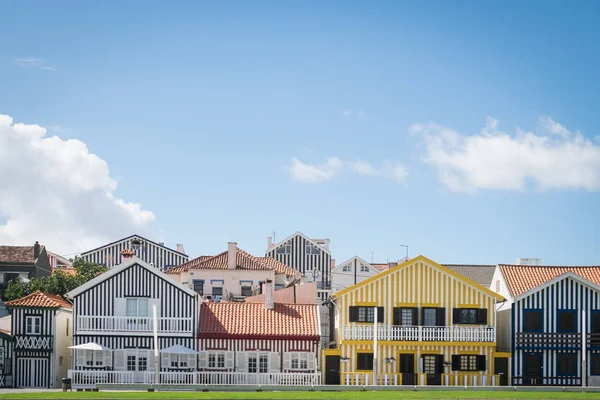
point(347, 268)
point(310, 249)
point(364, 268)
point(285, 249)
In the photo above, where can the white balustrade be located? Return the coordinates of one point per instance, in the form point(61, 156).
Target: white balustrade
point(133, 324)
point(246, 378)
point(91, 378)
point(420, 333)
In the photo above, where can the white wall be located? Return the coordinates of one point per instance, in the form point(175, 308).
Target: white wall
point(341, 279)
point(62, 341)
point(499, 286)
point(231, 279)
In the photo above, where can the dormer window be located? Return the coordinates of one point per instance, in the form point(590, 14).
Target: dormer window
point(364, 268)
point(285, 249)
point(33, 325)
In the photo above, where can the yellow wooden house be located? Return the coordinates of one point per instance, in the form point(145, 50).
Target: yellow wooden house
point(418, 323)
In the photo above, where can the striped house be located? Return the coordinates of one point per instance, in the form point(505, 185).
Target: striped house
point(154, 254)
point(259, 343)
point(555, 324)
point(431, 326)
point(6, 355)
point(42, 332)
point(114, 325)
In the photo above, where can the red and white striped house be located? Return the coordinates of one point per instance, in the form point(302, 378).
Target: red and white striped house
point(259, 343)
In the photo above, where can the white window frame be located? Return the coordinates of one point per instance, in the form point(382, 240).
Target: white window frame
point(35, 328)
point(287, 249)
point(347, 268)
point(259, 357)
point(93, 359)
point(364, 268)
point(137, 306)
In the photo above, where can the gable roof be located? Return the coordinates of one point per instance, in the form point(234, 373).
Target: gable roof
point(482, 274)
point(566, 275)
point(522, 278)
point(298, 233)
point(40, 300)
point(244, 261)
point(131, 237)
point(360, 260)
point(254, 320)
point(17, 254)
point(121, 267)
point(410, 262)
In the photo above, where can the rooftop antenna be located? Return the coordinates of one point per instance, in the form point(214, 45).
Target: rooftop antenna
point(274, 241)
point(405, 245)
point(371, 253)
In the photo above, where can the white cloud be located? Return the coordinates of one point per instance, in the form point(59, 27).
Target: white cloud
point(348, 113)
point(59, 129)
point(554, 158)
point(333, 166)
point(37, 63)
point(57, 192)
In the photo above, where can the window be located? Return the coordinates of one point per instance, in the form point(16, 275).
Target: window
point(364, 361)
point(468, 316)
point(595, 325)
point(364, 268)
point(429, 316)
point(299, 360)
point(263, 365)
point(567, 321)
point(131, 363)
point(532, 320)
point(310, 249)
point(246, 290)
point(429, 364)
point(347, 268)
point(285, 249)
point(567, 363)
point(142, 363)
point(217, 291)
point(216, 360)
point(405, 316)
point(137, 307)
point(365, 314)
point(199, 287)
point(595, 364)
point(468, 363)
point(33, 325)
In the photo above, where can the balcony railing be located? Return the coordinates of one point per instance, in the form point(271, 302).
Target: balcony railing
point(25, 342)
point(546, 381)
point(89, 379)
point(420, 333)
point(172, 325)
point(452, 379)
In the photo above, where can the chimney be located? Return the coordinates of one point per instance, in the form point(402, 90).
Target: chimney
point(269, 294)
point(231, 255)
point(36, 250)
point(269, 243)
point(180, 248)
point(161, 244)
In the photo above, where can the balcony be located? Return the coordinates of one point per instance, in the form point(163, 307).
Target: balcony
point(38, 343)
point(554, 341)
point(419, 333)
point(420, 379)
point(135, 325)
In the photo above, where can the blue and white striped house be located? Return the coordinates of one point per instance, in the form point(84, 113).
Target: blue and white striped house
point(155, 254)
point(554, 325)
point(113, 326)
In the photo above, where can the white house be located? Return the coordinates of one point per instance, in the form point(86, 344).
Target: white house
point(353, 271)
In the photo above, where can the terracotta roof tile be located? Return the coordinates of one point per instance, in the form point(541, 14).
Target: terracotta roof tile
point(41, 300)
point(253, 319)
point(522, 278)
point(17, 254)
point(244, 261)
point(381, 267)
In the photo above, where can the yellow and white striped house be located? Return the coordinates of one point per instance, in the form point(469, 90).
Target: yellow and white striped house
point(433, 327)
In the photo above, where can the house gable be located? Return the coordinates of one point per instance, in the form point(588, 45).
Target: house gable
point(359, 260)
point(300, 234)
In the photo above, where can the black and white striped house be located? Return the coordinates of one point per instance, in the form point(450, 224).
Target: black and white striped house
point(42, 329)
point(155, 254)
point(309, 256)
point(113, 337)
point(6, 354)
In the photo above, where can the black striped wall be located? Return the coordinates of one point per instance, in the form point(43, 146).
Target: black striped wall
point(155, 254)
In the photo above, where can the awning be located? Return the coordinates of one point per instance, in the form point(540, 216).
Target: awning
point(91, 346)
point(178, 349)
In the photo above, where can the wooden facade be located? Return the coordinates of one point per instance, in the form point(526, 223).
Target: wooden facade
point(553, 326)
point(434, 327)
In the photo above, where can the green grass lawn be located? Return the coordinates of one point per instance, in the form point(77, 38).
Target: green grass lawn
point(300, 395)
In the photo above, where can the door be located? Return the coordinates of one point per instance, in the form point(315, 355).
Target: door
point(501, 368)
point(532, 369)
point(407, 369)
point(139, 363)
point(32, 373)
point(332, 373)
point(432, 366)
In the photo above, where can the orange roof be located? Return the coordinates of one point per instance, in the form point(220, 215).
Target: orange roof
point(41, 300)
point(381, 267)
point(67, 270)
point(253, 319)
point(244, 261)
point(522, 278)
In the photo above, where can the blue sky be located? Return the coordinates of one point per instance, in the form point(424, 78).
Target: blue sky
point(200, 108)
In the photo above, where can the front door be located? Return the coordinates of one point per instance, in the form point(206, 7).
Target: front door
point(501, 368)
point(138, 362)
point(407, 369)
point(532, 369)
point(332, 374)
point(432, 366)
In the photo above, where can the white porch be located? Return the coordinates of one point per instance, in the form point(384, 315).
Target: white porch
point(419, 333)
point(87, 324)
